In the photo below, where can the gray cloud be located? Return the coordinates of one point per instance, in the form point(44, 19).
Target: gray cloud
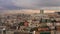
point(28, 4)
point(50, 3)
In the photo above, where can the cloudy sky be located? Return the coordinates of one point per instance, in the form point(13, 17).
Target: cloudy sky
point(29, 4)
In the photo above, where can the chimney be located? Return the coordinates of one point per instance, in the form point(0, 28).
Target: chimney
point(41, 11)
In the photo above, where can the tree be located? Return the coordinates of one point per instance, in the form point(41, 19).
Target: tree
point(34, 29)
point(21, 24)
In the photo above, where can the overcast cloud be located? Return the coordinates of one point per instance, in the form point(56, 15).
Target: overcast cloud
point(29, 4)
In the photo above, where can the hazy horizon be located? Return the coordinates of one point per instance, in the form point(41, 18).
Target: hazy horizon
point(14, 6)
point(25, 11)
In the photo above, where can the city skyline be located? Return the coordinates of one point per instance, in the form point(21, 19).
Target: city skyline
point(25, 11)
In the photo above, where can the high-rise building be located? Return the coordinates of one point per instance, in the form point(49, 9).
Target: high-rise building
point(41, 11)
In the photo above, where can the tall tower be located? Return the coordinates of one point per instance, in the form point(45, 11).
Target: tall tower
point(41, 11)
